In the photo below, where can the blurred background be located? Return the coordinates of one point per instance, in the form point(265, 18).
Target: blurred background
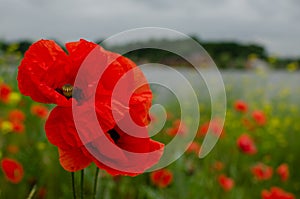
point(254, 44)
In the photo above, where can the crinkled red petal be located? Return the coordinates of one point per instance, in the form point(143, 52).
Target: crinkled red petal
point(73, 159)
point(129, 156)
point(60, 128)
point(43, 68)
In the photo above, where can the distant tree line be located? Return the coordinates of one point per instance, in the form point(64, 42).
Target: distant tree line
point(22, 45)
point(225, 54)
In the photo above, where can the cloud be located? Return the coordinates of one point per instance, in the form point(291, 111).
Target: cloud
point(272, 23)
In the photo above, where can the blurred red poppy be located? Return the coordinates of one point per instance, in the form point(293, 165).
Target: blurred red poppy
point(262, 171)
point(18, 127)
point(240, 106)
point(225, 182)
point(259, 117)
point(246, 144)
point(161, 178)
point(218, 166)
point(215, 126)
point(276, 193)
point(12, 170)
point(39, 111)
point(193, 147)
point(283, 172)
point(47, 74)
point(5, 90)
point(178, 128)
point(16, 115)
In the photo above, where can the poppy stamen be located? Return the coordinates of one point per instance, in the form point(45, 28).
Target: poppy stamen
point(67, 90)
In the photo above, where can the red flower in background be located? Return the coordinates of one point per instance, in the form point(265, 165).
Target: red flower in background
point(276, 193)
point(18, 127)
point(178, 128)
point(240, 106)
point(259, 117)
point(194, 147)
point(5, 90)
point(225, 182)
point(262, 171)
point(218, 166)
point(246, 144)
point(16, 115)
point(283, 172)
point(39, 111)
point(215, 126)
point(161, 178)
point(12, 170)
point(47, 74)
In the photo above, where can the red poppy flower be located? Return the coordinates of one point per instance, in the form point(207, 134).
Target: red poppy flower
point(178, 128)
point(194, 147)
point(276, 193)
point(47, 74)
point(283, 172)
point(16, 116)
point(12, 170)
point(18, 127)
point(215, 125)
point(39, 111)
point(246, 144)
point(5, 90)
point(240, 106)
point(161, 178)
point(218, 166)
point(262, 171)
point(225, 182)
point(259, 117)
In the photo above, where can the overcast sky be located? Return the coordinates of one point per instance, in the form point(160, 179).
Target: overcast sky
point(272, 23)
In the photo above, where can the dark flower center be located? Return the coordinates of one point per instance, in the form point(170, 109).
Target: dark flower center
point(69, 91)
point(114, 135)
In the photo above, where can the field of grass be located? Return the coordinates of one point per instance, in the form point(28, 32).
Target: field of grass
point(258, 149)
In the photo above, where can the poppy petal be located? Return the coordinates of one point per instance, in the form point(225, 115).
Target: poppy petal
point(129, 156)
point(78, 52)
point(74, 159)
point(42, 70)
point(60, 128)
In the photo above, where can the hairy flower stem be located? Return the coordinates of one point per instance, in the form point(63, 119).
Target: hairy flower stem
point(81, 184)
point(95, 183)
point(73, 185)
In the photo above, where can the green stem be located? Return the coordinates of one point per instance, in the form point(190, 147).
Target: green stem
point(95, 183)
point(32, 192)
point(82, 183)
point(73, 185)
